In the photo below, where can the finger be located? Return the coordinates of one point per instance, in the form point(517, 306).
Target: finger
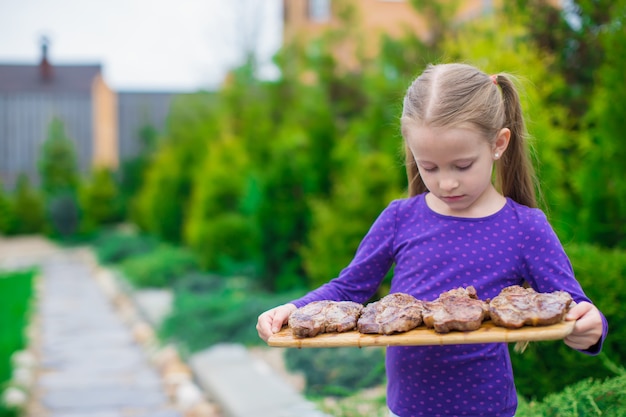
point(281, 317)
point(264, 326)
point(580, 342)
point(260, 329)
point(578, 310)
point(587, 331)
point(575, 344)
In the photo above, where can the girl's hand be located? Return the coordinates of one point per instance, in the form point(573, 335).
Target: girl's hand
point(588, 328)
point(273, 320)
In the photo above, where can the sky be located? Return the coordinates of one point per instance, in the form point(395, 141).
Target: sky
point(160, 45)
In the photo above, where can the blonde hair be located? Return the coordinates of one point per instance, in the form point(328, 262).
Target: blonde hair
point(450, 95)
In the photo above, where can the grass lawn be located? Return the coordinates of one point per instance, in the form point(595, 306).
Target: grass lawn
point(16, 289)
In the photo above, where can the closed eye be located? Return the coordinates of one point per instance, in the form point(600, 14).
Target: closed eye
point(458, 167)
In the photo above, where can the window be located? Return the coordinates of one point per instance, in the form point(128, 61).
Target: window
point(319, 10)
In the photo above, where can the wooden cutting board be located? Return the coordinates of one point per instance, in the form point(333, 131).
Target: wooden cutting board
point(421, 336)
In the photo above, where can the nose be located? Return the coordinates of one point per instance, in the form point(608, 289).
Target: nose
point(448, 183)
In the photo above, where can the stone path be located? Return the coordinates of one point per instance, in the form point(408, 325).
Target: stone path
point(94, 357)
point(97, 354)
point(91, 366)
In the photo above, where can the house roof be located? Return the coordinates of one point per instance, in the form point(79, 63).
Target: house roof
point(46, 78)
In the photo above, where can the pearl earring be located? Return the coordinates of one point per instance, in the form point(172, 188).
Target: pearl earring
point(497, 155)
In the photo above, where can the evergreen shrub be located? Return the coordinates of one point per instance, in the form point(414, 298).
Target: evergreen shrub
point(6, 213)
point(338, 371)
point(589, 397)
point(63, 211)
point(113, 247)
point(159, 268)
point(209, 309)
point(28, 211)
point(100, 200)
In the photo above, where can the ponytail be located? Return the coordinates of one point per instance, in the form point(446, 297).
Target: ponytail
point(515, 175)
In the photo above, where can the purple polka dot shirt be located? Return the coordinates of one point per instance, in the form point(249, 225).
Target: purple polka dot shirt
point(433, 253)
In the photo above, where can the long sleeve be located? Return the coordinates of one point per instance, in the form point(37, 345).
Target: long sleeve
point(548, 268)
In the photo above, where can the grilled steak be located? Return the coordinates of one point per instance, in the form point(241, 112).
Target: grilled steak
point(458, 309)
point(393, 313)
point(324, 317)
point(516, 306)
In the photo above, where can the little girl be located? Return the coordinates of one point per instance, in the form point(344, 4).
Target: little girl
point(459, 228)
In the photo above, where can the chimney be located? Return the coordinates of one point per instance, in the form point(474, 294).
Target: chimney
point(45, 68)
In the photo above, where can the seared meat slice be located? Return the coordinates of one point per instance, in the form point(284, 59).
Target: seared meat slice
point(516, 306)
point(324, 317)
point(394, 313)
point(457, 309)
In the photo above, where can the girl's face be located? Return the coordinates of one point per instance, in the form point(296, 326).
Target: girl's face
point(456, 165)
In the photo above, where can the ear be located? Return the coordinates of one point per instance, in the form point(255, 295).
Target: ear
point(501, 143)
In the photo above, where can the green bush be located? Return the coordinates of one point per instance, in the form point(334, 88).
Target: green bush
point(219, 228)
point(100, 200)
point(209, 309)
point(7, 216)
point(160, 206)
point(548, 367)
point(58, 166)
point(340, 223)
point(590, 397)
point(161, 267)
point(369, 402)
point(113, 247)
point(64, 213)
point(28, 213)
point(228, 243)
point(338, 371)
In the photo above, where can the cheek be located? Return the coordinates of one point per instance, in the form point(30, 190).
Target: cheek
point(484, 174)
point(427, 178)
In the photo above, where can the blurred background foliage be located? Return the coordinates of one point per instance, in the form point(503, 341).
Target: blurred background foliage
point(277, 181)
point(282, 178)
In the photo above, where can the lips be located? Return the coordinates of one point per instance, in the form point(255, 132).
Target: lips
point(452, 199)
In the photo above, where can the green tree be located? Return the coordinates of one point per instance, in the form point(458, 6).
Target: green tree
point(585, 43)
point(58, 171)
point(440, 15)
point(298, 165)
point(28, 208)
point(570, 36)
point(283, 212)
point(132, 171)
point(365, 187)
point(600, 179)
point(100, 200)
point(64, 213)
point(7, 216)
point(58, 167)
point(160, 207)
point(219, 227)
